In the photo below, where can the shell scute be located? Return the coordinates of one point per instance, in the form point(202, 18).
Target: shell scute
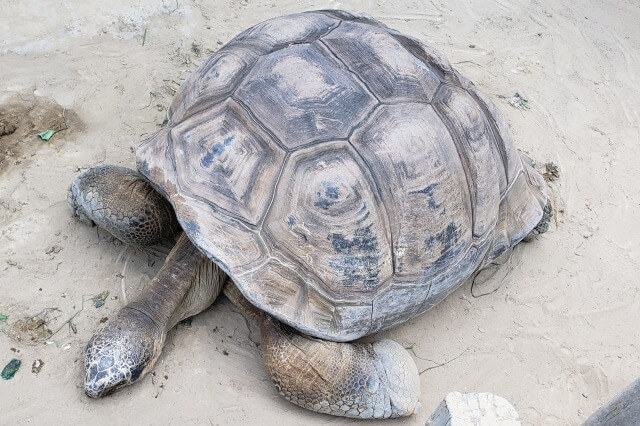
point(223, 158)
point(302, 94)
point(484, 164)
point(326, 215)
point(390, 71)
point(424, 191)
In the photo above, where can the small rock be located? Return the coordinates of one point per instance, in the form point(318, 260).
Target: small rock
point(53, 249)
point(478, 409)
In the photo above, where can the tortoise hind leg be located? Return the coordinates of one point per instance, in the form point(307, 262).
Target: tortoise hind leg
point(524, 211)
point(121, 201)
point(543, 225)
point(359, 380)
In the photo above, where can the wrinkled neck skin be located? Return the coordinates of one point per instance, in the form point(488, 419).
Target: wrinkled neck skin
point(162, 298)
point(183, 287)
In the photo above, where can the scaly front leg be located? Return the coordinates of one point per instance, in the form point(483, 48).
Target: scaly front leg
point(360, 380)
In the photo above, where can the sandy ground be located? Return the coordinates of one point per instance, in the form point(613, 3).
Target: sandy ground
point(557, 337)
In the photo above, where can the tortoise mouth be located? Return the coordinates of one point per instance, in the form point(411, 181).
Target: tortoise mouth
point(101, 382)
point(94, 391)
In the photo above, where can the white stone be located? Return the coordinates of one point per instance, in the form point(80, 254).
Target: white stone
point(477, 409)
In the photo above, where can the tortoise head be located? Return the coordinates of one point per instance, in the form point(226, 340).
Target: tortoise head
point(119, 355)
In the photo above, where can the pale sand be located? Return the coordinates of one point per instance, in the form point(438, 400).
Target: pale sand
point(557, 339)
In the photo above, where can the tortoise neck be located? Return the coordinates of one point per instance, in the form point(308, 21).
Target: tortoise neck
point(162, 297)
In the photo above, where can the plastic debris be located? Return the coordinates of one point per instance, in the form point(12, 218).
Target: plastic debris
point(3, 317)
point(98, 300)
point(519, 101)
point(46, 135)
point(10, 369)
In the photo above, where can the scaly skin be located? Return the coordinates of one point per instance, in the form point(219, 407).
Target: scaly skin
point(360, 380)
point(547, 214)
point(543, 224)
point(121, 353)
point(122, 202)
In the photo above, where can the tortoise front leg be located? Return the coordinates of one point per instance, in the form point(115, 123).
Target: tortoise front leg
point(360, 380)
point(129, 344)
point(122, 202)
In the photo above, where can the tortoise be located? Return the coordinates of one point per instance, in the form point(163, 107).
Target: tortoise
point(336, 178)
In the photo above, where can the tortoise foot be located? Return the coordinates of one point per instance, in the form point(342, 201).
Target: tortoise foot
point(376, 380)
point(122, 202)
point(543, 225)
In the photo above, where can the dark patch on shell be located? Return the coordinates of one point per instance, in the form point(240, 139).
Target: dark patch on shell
point(216, 150)
point(328, 196)
point(358, 257)
point(448, 239)
point(428, 191)
point(190, 227)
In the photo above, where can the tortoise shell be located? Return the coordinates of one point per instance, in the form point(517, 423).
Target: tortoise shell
point(344, 175)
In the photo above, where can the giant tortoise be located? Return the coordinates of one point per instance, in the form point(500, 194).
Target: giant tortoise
point(336, 178)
